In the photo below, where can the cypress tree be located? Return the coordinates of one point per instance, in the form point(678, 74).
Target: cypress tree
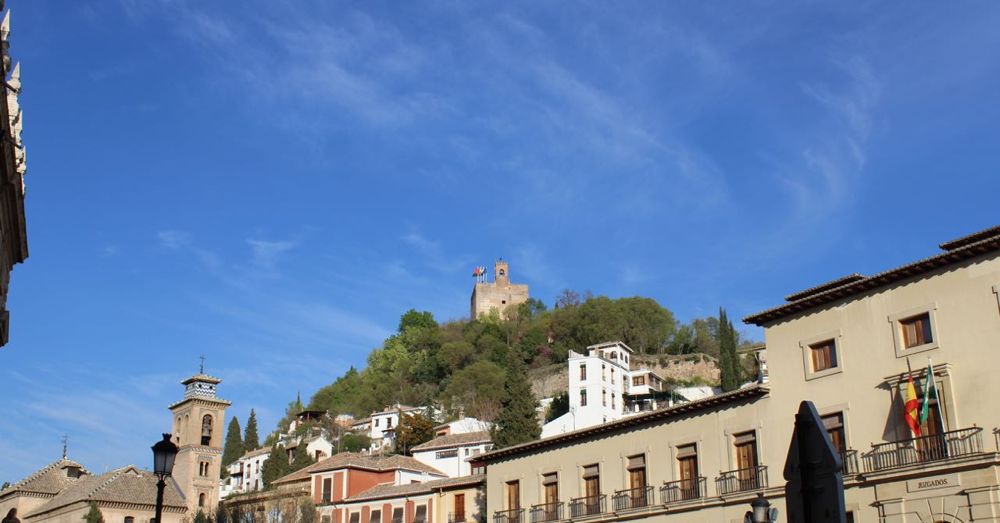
point(234, 445)
point(300, 458)
point(251, 441)
point(729, 365)
point(275, 466)
point(93, 515)
point(517, 421)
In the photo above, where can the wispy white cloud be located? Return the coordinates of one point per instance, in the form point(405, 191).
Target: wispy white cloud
point(172, 239)
point(266, 253)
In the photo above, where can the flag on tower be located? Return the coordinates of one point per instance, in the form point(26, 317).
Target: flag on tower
point(911, 406)
point(930, 391)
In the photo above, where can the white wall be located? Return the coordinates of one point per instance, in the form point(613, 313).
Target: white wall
point(454, 466)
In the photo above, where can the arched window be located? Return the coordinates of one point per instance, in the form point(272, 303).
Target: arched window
point(206, 430)
point(129, 519)
point(201, 499)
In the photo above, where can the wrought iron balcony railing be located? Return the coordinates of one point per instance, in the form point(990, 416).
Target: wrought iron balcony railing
point(741, 480)
point(924, 449)
point(850, 461)
point(547, 512)
point(632, 498)
point(464, 517)
point(515, 515)
point(587, 506)
point(683, 490)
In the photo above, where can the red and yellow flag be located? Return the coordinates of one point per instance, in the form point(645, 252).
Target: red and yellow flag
point(911, 407)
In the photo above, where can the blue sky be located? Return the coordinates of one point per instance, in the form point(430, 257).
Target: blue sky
point(272, 184)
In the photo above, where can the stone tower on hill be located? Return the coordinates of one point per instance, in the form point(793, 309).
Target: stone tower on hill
point(498, 295)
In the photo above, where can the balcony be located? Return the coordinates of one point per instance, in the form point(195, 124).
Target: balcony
point(741, 480)
point(850, 460)
point(509, 516)
point(632, 498)
point(683, 490)
point(925, 449)
point(587, 506)
point(547, 512)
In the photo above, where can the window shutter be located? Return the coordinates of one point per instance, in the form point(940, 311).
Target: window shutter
point(687, 451)
point(591, 471)
point(637, 462)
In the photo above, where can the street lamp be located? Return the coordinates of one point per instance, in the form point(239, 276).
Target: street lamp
point(164, 453)
point(761, 511)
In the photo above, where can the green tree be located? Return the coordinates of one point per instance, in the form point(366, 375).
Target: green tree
point(93, 515)
point(200, 517)
point(558, 407)
point(354, 442)
point(251, 441)
point(413, 430)
point(517, 421)
point(233, 448)
point(474, 389)
point(729, 365)
point(414, 319)
point(275, 466)
point(300, 458)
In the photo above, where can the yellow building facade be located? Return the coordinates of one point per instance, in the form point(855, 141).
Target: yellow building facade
point(851, 347)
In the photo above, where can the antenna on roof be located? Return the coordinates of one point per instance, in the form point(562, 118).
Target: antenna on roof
point(201, 370)
point(65, 441)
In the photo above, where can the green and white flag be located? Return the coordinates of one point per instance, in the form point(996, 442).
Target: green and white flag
point(930, 391)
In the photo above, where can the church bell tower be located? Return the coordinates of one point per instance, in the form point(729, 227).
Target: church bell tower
point(198, 422)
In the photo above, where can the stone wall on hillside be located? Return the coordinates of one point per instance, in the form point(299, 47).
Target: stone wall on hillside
point(550, 380)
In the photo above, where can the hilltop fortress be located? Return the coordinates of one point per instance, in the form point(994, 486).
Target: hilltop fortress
point(498, 295)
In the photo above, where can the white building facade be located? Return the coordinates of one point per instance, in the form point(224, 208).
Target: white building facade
point(604, 388)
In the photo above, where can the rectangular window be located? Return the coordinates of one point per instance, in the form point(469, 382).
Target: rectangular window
point(397, 515)
point(612, 400)
point(591, 481)
point(638, 380)
point(604, 398)
point(824, 355)
point(459, 508)
point(834, 424)
point(355, 517)
point(441, 454)
point(550, 484)
point(746, 450)
point(583, 372)
point(916, 330)
point(513, 495)
point(421, 516)
point(376, 421)
point(637, 471)
point(583, 398)
point(327, 489)
point(687, 468)
point(375, 516)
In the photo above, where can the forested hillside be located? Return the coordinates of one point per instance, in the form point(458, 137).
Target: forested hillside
point(463, 365)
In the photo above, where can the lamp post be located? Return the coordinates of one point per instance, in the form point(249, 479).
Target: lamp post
point(164, 453)
point(760, 511)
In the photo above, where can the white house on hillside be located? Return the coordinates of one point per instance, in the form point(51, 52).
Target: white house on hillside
point(603, 387)
point(450, 453)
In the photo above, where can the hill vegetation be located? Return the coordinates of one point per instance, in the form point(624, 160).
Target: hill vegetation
point(468, 366)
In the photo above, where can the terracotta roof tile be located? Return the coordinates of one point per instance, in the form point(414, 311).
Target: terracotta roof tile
point(49, 479)
point(455, 440)
point(359, 461)
point(125, 485)
point(389, 490)
point(968, 247)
